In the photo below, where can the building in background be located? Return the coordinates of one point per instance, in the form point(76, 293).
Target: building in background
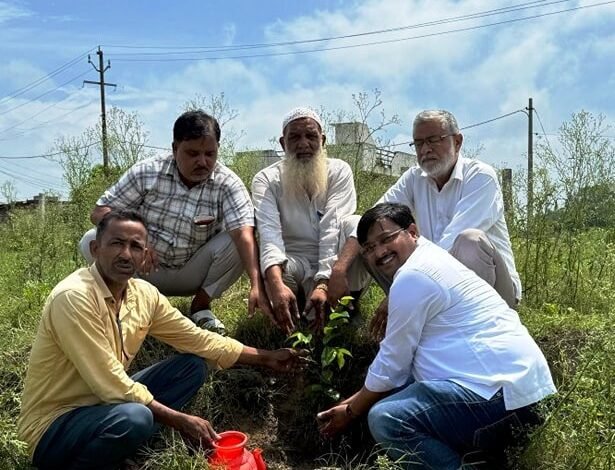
point(353, 143)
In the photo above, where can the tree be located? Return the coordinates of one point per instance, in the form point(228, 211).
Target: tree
point(585, 161)
point(219, 107)
point(85, 178)
point(365, 143)
point(126, 138)
point(8, 191)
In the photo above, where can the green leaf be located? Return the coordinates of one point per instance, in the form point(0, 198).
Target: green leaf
point(340, 353)
point(328, 338)
point(336, 315)
point(337, 322)
point(346, 300)
point(327, 376)
point(300, 339)
point(327, 356)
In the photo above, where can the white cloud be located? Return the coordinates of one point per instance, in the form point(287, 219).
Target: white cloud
point(11, 11)
point(17, 73)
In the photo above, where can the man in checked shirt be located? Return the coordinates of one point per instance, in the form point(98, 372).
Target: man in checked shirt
point(199, 217)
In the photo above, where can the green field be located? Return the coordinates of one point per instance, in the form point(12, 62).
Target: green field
point(565, 253)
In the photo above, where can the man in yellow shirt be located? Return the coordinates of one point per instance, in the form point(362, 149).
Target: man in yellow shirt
point(80, 409)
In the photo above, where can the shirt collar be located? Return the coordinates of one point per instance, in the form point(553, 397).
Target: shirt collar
point(457, 173)
point(129, 295)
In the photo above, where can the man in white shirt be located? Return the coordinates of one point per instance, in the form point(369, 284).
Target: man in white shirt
point(304, 205)
point(456, 371)
point(458, 205)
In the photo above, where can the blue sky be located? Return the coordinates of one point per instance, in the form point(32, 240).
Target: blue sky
point(564, 61)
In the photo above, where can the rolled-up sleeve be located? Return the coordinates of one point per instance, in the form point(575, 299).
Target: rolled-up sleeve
point(80, 332)
point(173, 328)
point(237, 206)
point(127, 192)
point(268, 223)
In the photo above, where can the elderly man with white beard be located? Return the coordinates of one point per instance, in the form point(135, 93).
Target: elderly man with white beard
point(304, 205)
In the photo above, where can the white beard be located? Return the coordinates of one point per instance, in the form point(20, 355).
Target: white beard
point(305, 177)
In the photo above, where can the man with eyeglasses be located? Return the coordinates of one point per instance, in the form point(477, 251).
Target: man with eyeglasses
point(457, 373)
point(458, 205)
point(80, 409)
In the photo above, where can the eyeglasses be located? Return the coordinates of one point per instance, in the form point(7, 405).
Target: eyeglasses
point(368, 248)
point(431, 140)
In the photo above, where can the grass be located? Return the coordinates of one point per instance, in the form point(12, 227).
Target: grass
point(579, 431)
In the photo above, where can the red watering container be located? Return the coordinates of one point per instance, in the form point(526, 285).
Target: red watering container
point(230, 453)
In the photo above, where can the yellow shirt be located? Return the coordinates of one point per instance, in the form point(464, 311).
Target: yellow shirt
point(77, 357)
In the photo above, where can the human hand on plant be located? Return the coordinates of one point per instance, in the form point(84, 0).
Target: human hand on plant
point(334, 420)
point(316, 308)
point(285, 308)
point(287, 359)
point(338, 287)
point(258, 300)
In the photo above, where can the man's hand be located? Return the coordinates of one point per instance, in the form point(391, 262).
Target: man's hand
point(316, 306)
point(285, 307)
point(378, 324)
point(198, 430)
point(150, 262)
point(338, 287)
point(287, 359)
point(194, 428)
point(258, 299)
point(333, 421)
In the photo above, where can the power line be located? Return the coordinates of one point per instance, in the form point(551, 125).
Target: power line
point(46, 93)
point(53, 105)
point(83, 147)
point(47, 155)
point(37, 82)
point(352, 46)
point(470, 126)
point(38, 182)
point(218, 48)
point(543, 130)
point(41, 124)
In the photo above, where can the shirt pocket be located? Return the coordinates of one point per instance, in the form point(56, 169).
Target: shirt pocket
point(134, 339)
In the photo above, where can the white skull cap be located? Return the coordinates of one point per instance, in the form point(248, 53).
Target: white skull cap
point(301, 112)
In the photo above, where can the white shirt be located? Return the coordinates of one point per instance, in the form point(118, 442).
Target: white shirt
point(307, 228)
point(471, 198)
point(446, 323)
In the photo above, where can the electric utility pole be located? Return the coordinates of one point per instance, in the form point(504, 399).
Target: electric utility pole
point(103, 114)
point(530, 160)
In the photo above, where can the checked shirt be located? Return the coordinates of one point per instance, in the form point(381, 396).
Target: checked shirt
point(153, 188)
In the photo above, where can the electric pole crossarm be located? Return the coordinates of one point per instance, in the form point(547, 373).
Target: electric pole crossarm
point(103, 114)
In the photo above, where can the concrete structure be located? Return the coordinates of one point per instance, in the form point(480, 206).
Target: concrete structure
point(37, 201)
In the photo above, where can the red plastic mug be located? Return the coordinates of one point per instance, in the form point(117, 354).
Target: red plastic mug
point(230, 453)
